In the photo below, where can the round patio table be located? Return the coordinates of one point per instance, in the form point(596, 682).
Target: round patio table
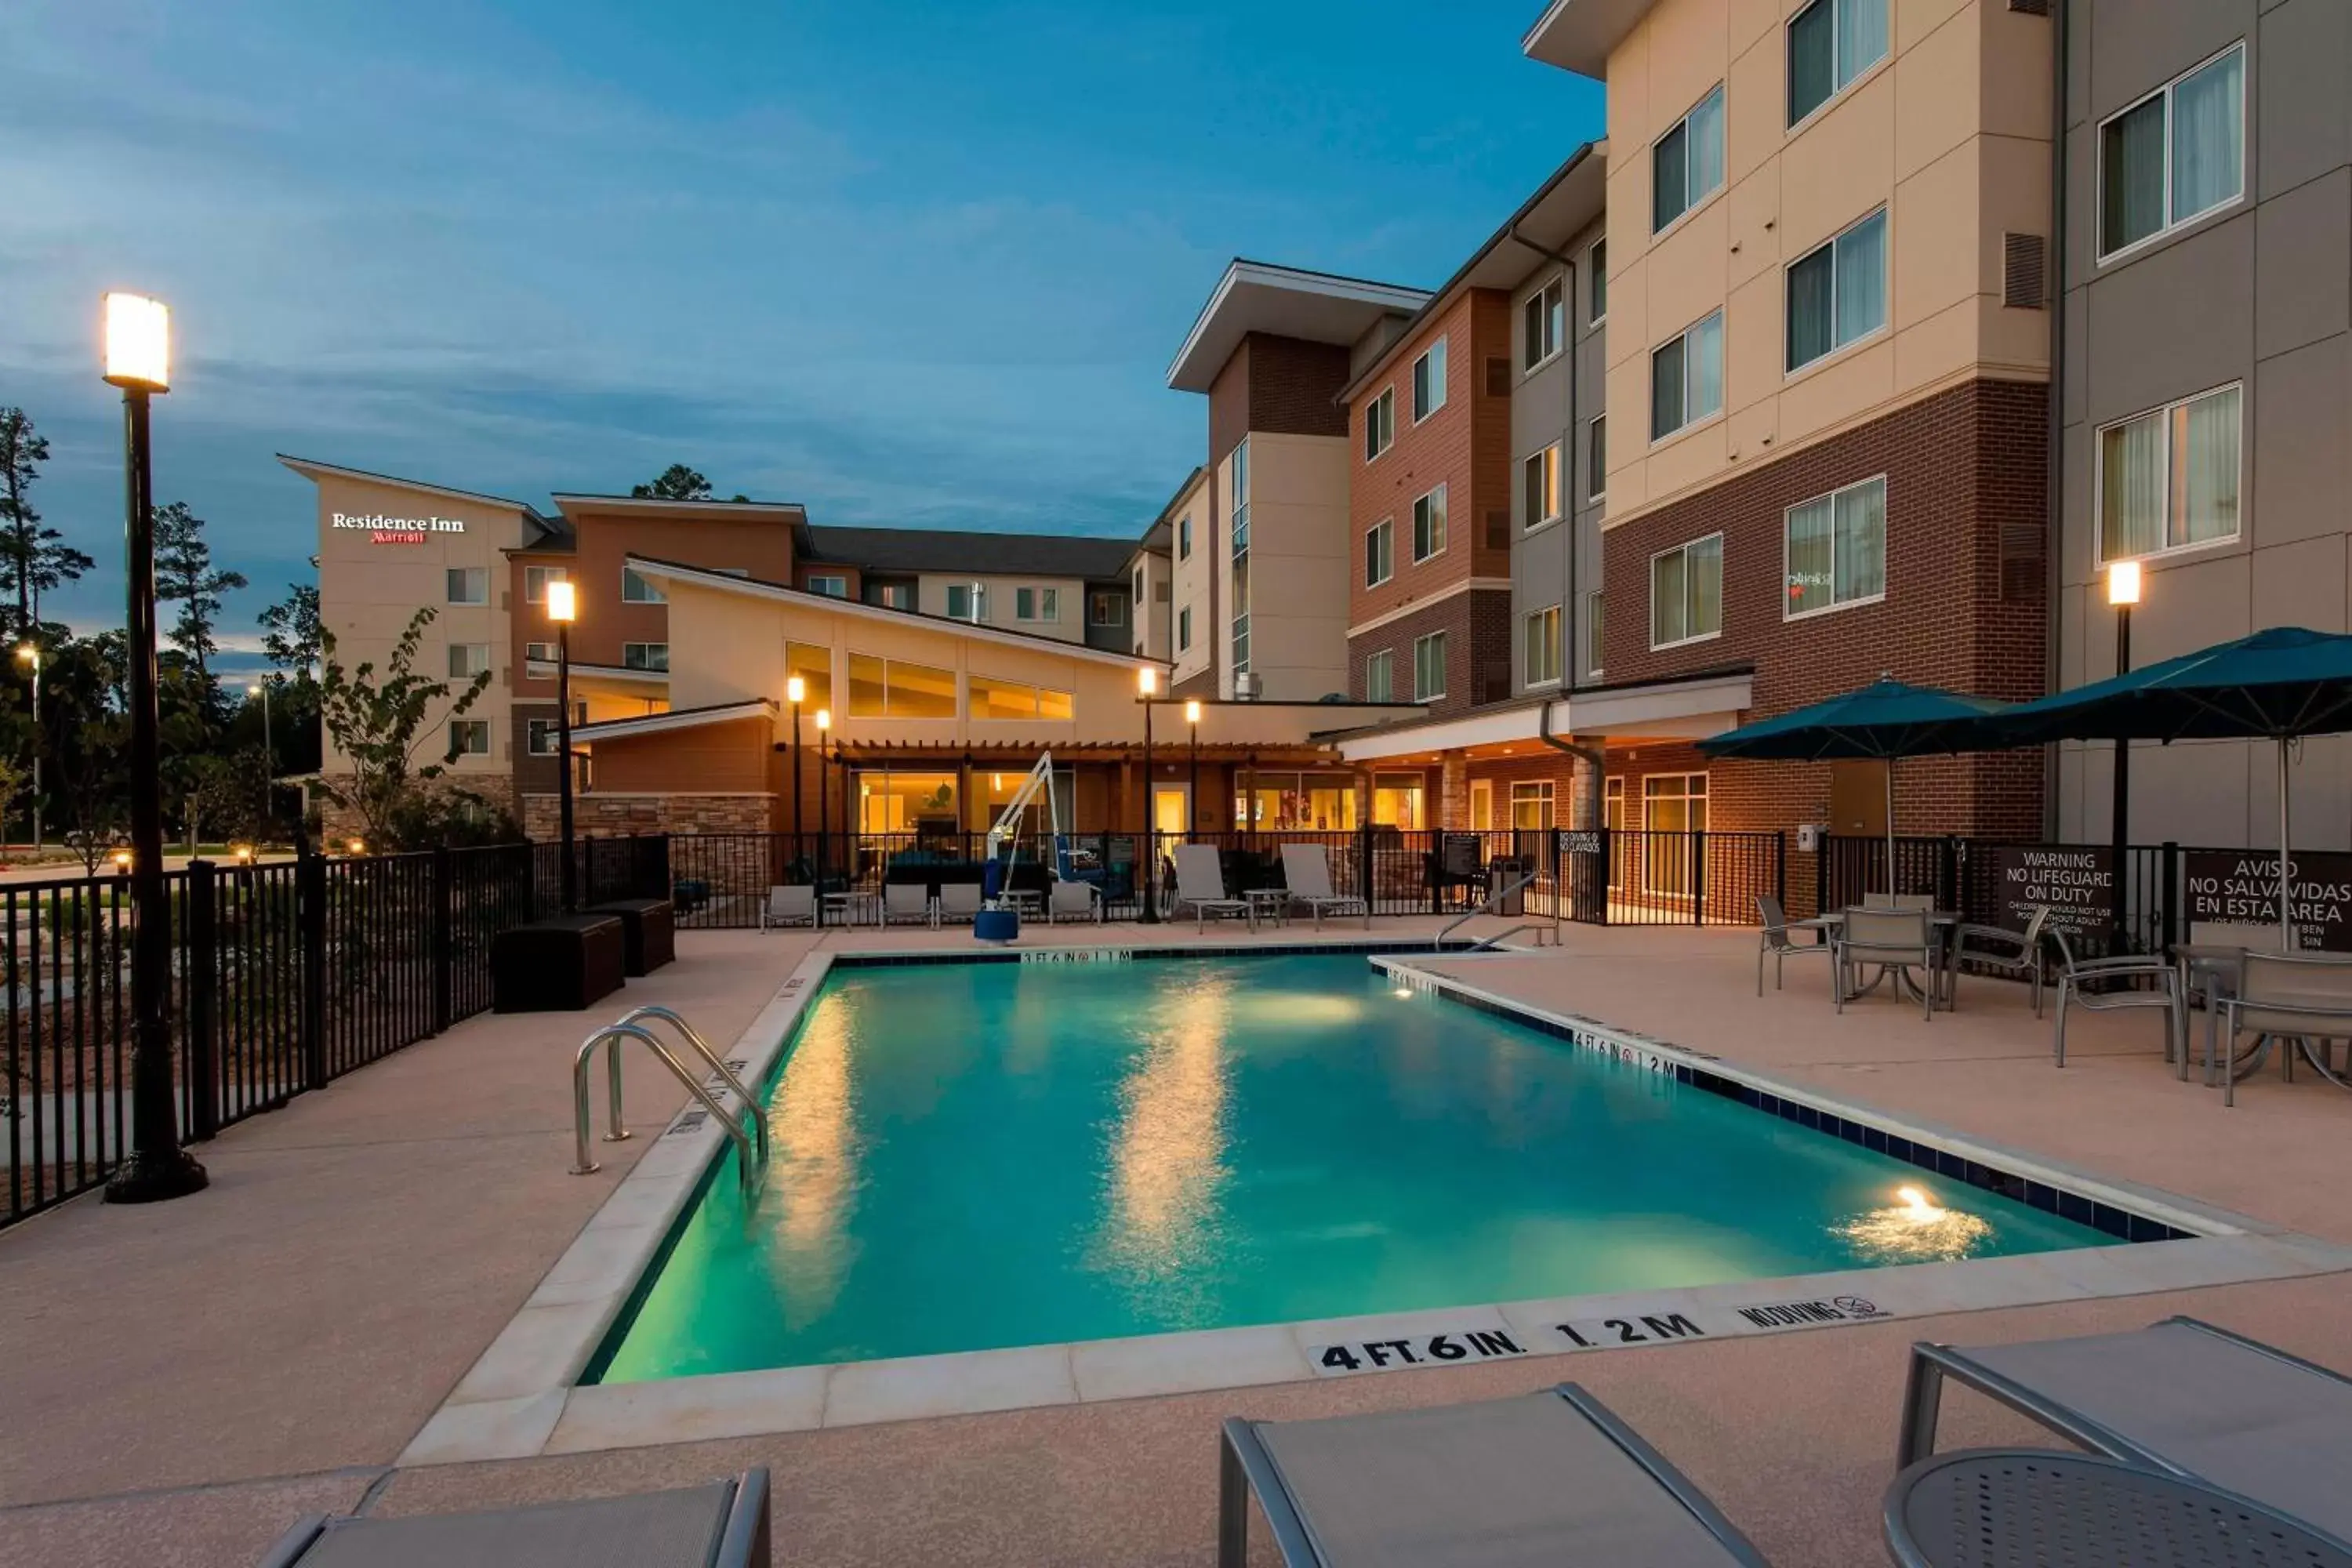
point(2033, 1508)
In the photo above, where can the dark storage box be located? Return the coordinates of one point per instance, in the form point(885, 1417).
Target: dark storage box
point(557, 966)
point(649, 932)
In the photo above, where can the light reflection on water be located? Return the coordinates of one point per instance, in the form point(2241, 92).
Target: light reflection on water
point(1914, 1229)
point(811, 1187)
point(1162, 1226)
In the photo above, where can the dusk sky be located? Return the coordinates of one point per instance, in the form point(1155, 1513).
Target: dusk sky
point(908, 264)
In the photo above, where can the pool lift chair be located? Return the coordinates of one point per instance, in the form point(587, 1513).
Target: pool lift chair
point(1036, 789)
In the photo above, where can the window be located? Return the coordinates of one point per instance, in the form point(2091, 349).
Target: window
point(1687, 592)
point(1037, 604)
point(813, 663)
point(1184, 629)
point(535, 580)
point(468, 660)
point(1836, 550)
point(1429, 525)
point(1379, 564)
point(469, 585)
point(967, 601)
point(1379, 424)
point(832, 584)
point(1184, 537)
point(890, 595)
point(1429, 667)
point(644, 655)
point(1687, 163)
point(1837, 291)
point(1539, 486)
point(1596, 283)
point(1397, 800)
point(2175, 155)
point(1686, 378)
point(2168, 478)
point(1109, 609)
point(1138, 585)
point(542, 738)
point(1831, 42)
point(893, 689)
point(1540, 647)
point(1240, 529)
point(545, 651)
point(635, 590)
point(1429, 382)
point(994, 698)
point(1531, 803)
point(1542, 327)
point(1380, 676)
point(1593, 640)
point(1596, 458)
point(469, 737)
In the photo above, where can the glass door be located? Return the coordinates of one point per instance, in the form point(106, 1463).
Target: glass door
point(1673, 807)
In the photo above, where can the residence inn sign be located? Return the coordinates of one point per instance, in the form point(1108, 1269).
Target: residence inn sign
point(383, 529)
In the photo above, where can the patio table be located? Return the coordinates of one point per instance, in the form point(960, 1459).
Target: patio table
point(1991, 1508)
point(853, 909)
point(1942, 924)
point(1267, 904)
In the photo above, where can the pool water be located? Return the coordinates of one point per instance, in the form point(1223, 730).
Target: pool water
point(969, 1156)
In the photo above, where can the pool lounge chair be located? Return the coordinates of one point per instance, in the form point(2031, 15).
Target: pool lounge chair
point(2180, 1396)
point(958, 902)
point(1201, 883)
point(789, 906)
point(722, 1525)
point(1552, 1478)
point(1307, 872)
point(907, 902)
point(1079, 900)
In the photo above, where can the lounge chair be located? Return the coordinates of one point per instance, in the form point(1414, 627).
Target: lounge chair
point(959, 902)
point(1201, 883)
point(1080, 900)
point(1777, 945)
point(789, 906)
point(1886, 940)
point(2301, 1000)
point(722, 1525)
point(1307, 872)
point(2180, 1396)
point(1540, 1478)
point(909, 902)
point(1997, 947)
point(2130, 967)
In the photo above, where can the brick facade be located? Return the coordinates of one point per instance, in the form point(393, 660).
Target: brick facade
point(613, 816)
point(1477, 628)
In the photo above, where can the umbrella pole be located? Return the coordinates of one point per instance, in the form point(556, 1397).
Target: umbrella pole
point(1891, 888)
point(2286, 878)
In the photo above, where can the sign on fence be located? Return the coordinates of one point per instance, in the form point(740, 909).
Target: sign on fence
point(1580, 841)
point(2078, 885)
point(2242, 886)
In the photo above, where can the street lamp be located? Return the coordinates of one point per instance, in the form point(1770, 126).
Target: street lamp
point(564, 608)
point(269, 754)
point(2123, 593)
point(138, 361)
point(1193, 796)
point(824, 797)
point(28, 654)
point(795, 693)
point(1147, 685)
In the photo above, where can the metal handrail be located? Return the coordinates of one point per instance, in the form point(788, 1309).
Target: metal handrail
point(583, 1063)
point(1488, 944)
point(702, 1047)
point(1487, 907)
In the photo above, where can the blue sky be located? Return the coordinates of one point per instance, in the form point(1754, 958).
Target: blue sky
point(909, 264)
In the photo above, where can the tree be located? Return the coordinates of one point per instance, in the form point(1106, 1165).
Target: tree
point(185, 575)
point(380, 725)
point(678, 482)
point(289, 632)
point(36, 556)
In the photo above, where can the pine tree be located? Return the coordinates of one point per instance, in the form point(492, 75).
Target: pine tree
point(185, 575)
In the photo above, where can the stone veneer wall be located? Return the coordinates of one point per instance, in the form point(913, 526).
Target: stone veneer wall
point(618, 814)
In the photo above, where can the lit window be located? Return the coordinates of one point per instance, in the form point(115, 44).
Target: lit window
point(2175, 155)
point(1429, 525)
point(1541, 325)
point(1539, 486)
point(1686, 378)
point(1687, 592)
point(644, 655)
point(1531, 803)
point(1429, 382)
point(1540, 647)
point(2168, 478)
point(469, 585)
point(994, 698)
point(894, 688)
point(890, 595)
point(1831, 42)
point(812, 662)
point(1378, 564)
point(636, 590)
point(1836, 550)
point(535, 580)
point(1429, 667)
point(1379, 424)
point(1687, 163)
point(1837, 291)
point(1380, 676)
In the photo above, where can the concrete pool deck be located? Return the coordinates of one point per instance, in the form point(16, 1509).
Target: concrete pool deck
point(180, 1381)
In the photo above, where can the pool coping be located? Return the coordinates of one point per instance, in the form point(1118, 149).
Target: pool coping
point(522, 1397)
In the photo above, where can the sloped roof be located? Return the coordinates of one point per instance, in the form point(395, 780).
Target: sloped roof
point(958, 550)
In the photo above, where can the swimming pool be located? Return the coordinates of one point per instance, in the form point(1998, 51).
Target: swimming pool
point(979, 1155)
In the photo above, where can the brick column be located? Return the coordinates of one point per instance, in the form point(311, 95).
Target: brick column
point(1453, 791)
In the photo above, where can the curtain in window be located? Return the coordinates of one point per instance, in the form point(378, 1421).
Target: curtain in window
point(1810, 558)
point(1811, 300)
point(1862, 279)
point(2205, 458)
point(1705, 367)
point(1669, 176)
point(1668, 614)
point(1705, 572)
point(1860, 36)
point(2208, 137)
point(1706, 145)
point(1666, 389)
point(2131, 488)
point(1811, 59)
point(2131, 174)
point(1862, 542)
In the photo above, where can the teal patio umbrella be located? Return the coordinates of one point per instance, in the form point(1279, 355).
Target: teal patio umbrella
point(1880, 723)
point(2278, 685)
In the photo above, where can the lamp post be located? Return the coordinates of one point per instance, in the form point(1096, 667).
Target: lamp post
point(795, 690)
point(1192, 793)
point(269, 756)
point(138, 361)
point(29, 654)
point(2123, 593)
point(563, 608)
point(1147, 685)
point(824, 799)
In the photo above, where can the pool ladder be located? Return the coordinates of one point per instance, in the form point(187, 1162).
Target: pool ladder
point(1492, 904)
point(747, 1128)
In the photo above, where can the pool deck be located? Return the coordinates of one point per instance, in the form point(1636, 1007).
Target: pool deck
point(179, 1382)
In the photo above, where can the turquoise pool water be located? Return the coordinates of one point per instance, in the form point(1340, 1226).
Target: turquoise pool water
point(978, 1155)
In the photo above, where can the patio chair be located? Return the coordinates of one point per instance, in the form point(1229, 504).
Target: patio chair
point(1997, 947)
point(789, 906)
point(1923, 901)
point(2181, 1397)
point(958, 902)
point(2292, 997)
point(1538, 1477)
point(1307, 872)
point(1893, 941)
point(1201, 883)
point(1079, 900)
point(2131, 967)
point(1777, 945)
point(906, 902)
point(722, 1525)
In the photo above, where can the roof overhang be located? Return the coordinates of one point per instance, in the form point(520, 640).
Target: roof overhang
point(1578, 35)
point(755, 588)
point(310, 470)
point(607, 674)
point(1688, 710)
point(575, 506)
point(1286, 301)
point(677, 719)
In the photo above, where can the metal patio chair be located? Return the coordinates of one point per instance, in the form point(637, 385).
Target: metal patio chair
point(1893, 941)
point(907, 903)
point(1201, 883)
point(789, 906)
point(2133, 968)
point(1997, 947)
point(2299, 999)
point(1079, 900)
point(958, 902)
point(722, 1525)
point(1307, 873)
point(1775, 944)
